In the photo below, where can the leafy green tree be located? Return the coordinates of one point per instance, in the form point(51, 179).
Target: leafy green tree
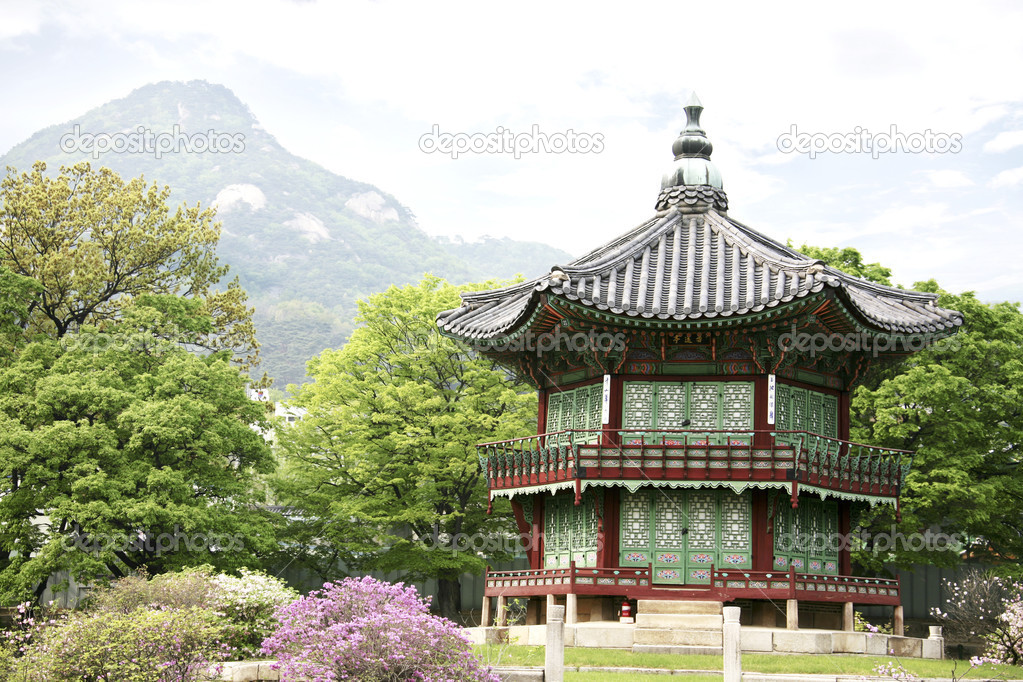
point(384, 466)
point(95, 243)
point(958, 406)
point(16, 293)
point(849, 261)
point(120, 449)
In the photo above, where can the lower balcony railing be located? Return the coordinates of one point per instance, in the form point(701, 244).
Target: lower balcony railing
point(725, 585)
point(696, 455)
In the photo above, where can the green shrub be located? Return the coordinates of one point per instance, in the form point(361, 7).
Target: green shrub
point(189, 588)
point(7, 661)
point(246, 604)
point(145, 645)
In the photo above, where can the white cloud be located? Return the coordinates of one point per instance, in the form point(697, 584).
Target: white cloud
point(233, 196)
point(948, 178)
point(1004, 141)
point(1008, 178)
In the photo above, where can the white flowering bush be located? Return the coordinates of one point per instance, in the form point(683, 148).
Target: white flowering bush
point(987, 607)
point(1005, 642)
point(249, 603)
point(245, 604)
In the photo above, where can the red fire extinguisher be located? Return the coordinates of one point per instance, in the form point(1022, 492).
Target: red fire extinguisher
point(626, 612)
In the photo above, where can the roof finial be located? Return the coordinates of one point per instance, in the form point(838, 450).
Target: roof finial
point(692, 142)
point(693, 167)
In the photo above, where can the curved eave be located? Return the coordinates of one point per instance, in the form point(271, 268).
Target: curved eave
point(692, 268)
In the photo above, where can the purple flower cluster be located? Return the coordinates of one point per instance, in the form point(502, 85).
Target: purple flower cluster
point(364, 629)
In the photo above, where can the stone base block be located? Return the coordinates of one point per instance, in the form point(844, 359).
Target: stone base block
point(249, 672)
point(802, 642)
point(530, 635)
point(679, 620)
point(932, 648)
point(905, 646)
point(678, 607)
point(598, 637)
point(756, 640)
point(877, 645)
point(848, 642)
point(679, 637)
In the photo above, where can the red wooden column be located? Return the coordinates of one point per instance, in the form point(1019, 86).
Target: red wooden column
point(536, 547)
point(844, 529)
point(843, 415)
point(541, 411)
point(607, 555)
point(763, 540)
point(760, 440)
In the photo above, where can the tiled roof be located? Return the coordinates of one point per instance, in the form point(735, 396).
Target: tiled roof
point(683, 266)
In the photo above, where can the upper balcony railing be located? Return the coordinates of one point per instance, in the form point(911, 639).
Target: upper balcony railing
point(726, 583)
point(674, 454)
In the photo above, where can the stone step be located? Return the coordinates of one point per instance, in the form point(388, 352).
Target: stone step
point(679, 607)
point(677, 650)
point(683, 621)
point(678, 637)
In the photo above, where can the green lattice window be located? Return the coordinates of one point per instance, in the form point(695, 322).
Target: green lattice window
point(799, 409)
point(683, 532)
point(570, 531)
point(807, 538)
point(578, 408)
point(716, 405)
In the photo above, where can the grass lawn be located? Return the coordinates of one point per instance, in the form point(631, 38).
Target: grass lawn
point(761, 663)
point(628, 677)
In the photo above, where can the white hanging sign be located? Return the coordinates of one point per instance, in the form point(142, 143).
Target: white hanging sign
point(605, 408)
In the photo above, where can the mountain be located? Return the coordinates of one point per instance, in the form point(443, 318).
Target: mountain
point(305, 242)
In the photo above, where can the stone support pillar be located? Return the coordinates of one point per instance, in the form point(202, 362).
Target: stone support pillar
point(485, 618)
point(848, 617)
point(554, 661)
point(792, 614)
point(732, 646)
point(502, 611)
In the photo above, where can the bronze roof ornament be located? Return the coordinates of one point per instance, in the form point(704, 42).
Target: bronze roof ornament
point(694, 185)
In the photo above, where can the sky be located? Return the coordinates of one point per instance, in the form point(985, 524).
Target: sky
point(360, 88)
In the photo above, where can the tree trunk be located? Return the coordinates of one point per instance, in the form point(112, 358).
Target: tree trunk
point(449, 599)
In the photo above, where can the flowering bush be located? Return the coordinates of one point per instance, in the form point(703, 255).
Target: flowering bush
point(146, 645)
point(894, 671)
point(367, 630)
point(974, 604)
point(7, 661)
point(986, 606)
point(1005, 642)
point(249, 604)
point(861, 624)
point(189, 588)
point(27, 626)
point(246, 605)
